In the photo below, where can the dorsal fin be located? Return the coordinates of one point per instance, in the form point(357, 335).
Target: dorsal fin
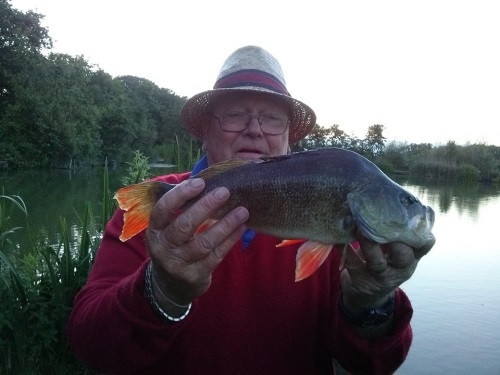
point(268, 159)
point(223, 166)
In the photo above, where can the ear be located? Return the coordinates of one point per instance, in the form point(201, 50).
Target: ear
point(204, 146)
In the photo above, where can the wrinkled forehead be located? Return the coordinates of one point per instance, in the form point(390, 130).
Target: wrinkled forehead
point(246, 101)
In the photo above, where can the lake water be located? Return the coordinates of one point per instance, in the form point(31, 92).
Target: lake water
point(455, 291)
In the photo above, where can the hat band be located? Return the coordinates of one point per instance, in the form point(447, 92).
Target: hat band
point(251, 77)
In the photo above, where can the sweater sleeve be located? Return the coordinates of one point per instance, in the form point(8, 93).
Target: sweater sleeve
point(381, 356)
point(112, 327)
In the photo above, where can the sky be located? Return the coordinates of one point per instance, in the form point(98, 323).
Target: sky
point(428, 70)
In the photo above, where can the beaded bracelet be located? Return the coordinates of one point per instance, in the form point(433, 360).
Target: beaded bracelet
point(154, 303)
point(163, 294)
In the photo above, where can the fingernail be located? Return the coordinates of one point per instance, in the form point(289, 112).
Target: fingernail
point(221, 193)
point(196, 182)
point(241, 214)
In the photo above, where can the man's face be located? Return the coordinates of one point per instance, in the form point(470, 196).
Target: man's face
point(250, 143)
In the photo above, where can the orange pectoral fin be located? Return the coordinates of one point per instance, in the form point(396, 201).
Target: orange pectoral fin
point(310, 257)
point(289, 242)
point(204, 226)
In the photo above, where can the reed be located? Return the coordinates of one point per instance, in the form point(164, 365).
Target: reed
point(186, 158)
point(108, 205)
point(36, 295)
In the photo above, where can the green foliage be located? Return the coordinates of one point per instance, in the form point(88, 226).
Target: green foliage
point(21, 39)
point(374, 140)
point(37, 288)
point(396, 156)
point(467, 172)
point(5, 215)
point(58, 110)
point(385, 165)
point(164, 153)
point(36, 294)
point(485, 158)
point(186, 158)
point(108, 204)
point(138, 169)
point(444, 171)
point(320, 137)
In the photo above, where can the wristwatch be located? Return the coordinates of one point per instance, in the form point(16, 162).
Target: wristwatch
point(370, 317)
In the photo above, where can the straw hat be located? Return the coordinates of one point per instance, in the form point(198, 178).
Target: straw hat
point(249, 68)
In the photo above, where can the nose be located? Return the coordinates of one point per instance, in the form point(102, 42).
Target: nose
point(253, 126)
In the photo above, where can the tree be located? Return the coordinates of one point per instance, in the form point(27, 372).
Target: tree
point(21, 38)
point(374, 141)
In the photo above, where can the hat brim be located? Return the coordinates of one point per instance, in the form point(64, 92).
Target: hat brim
point(193, 113)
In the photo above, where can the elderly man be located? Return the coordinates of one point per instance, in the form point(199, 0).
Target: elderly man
point(224, 301)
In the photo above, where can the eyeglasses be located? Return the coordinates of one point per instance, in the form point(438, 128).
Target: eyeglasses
point(272, 124)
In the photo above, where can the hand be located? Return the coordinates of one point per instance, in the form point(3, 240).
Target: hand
point(374, 271)
point(183, 264)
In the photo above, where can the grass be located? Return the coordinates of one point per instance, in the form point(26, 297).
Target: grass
point(37, 288)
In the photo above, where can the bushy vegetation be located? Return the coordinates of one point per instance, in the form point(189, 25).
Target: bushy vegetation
point(471, 162)
point(37, 288)
point(60, 110)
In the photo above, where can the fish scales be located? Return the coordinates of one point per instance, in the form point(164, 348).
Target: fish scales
point(298, 195)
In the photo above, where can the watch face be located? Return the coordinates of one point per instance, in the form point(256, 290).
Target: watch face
point(378, 316)
point(375, 319)
point(371, 317)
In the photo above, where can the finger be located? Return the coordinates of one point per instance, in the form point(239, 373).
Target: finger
point(218, 240)
point(353, 258)
point(373, 254)
point(166, 209)
point(219, 252)
point(220, 237)
point(400, 255)
point(185, 225)
point(419, 253)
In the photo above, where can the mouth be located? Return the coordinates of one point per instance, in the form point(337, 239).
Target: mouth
point(249, 154)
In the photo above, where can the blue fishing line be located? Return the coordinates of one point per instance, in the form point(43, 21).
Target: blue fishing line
point(202, 164)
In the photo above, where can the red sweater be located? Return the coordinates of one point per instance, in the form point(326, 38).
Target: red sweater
point(254, 319)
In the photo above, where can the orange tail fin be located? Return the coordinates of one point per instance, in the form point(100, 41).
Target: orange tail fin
point(138, 201)
point(310, 256)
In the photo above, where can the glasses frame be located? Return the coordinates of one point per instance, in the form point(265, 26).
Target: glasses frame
point(250, 118)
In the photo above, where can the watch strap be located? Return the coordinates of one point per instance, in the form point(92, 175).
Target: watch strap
point(370, 317)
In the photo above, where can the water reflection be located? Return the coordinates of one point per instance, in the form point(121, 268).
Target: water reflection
point(466, 198)
point(52, 194)
point(454, 291)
